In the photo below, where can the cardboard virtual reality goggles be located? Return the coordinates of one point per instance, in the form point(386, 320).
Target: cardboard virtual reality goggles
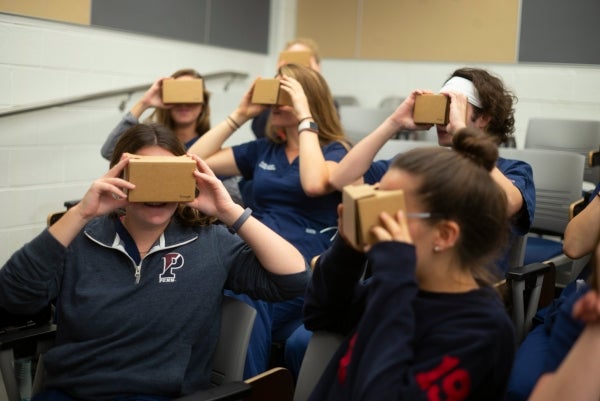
point(302, 57)
point(431, 109)
point(268, 91)
point(161, 178)
point(182, 91)
point(362, 206)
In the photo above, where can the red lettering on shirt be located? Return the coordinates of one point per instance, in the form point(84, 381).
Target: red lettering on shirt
point(446, 381)
point(345, 361)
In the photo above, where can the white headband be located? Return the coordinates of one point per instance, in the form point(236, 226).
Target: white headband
point(464, 86)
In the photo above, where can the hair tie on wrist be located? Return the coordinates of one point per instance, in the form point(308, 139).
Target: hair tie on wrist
point(305, 118)
point(241, 220)
point(233, 124)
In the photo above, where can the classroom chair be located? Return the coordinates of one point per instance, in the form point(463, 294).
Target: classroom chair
point(572, 135)
point(359, 121)
point(277, 384)
point(558, 179)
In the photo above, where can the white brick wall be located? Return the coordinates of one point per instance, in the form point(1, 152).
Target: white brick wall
point(51, 156)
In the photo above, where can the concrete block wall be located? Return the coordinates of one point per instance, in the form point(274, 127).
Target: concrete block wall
point(51, 156)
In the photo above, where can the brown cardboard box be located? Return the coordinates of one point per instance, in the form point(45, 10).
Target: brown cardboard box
point(182, 91)
point(362, 206)
point(161, 178)
point(295, 57)
point(268, 91)
point(431, 109)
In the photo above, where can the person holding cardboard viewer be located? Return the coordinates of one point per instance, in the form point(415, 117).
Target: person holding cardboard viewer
point(422, 320)
point(138, 286)
point(290, 181)
point(470, 97)
point(301, 51)
point(180, 102)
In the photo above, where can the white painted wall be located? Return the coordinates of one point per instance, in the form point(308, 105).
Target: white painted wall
point(51, 156)
point(543, 90)
point(47, 157)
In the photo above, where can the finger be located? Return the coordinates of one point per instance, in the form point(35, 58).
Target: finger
point(403, 223)
point(380, 233)
point(390, 224)
point(117, 169)
point(202, 165)
point(113, 187)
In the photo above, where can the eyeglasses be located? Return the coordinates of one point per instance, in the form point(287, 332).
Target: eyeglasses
point(422, 215)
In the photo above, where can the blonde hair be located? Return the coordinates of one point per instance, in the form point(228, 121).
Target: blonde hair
point(306, 42)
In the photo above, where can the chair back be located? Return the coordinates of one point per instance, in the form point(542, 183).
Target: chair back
point(237, 320)
point(558, 179)
point(396, 146)
point(320, 349)
point(570, 135)
point(359, 121)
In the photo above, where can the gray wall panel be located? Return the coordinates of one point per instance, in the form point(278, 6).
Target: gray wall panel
point(236, 24)
point(560, 31)
point(240, 24)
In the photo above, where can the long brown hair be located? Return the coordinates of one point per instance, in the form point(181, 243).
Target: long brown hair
point(163, 116)
point(153, 134)
point(456, 185)
point(320, 102)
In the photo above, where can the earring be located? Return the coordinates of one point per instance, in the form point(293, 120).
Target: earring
point(436, 248)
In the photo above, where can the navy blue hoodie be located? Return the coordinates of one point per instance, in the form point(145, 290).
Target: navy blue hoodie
point(136, 327)
point(403, 343)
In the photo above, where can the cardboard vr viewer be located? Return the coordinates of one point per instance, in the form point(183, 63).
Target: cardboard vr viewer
point(182, 91)
point(161, 178)
point(295, 57)
point(362, 206)
point(268, 91)
point(431, 109)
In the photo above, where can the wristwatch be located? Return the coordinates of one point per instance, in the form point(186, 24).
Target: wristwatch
point(307, 125)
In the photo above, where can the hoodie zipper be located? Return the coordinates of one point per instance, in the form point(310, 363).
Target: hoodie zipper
point(138, 272)
point(138, 267)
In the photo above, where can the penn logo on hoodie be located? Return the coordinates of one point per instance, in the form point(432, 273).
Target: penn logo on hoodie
point(171, 262)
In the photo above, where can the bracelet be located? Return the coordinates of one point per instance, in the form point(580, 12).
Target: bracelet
point(308, 130)
point(305, 118)
point(233, 124)
point(308, 126)
point(241, 220)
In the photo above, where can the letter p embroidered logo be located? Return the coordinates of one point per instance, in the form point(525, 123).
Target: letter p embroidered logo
point(171, 261)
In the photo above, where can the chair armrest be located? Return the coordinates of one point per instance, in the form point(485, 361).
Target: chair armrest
point(521, 273)
point(274, 384)
point(11, 338)
point(230, 391)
